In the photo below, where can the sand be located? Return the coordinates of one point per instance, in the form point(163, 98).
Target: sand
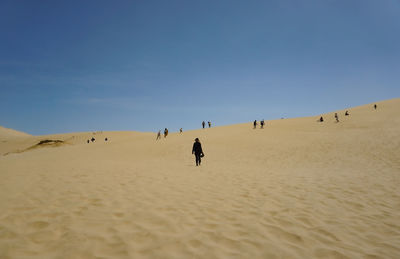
point(295, 189)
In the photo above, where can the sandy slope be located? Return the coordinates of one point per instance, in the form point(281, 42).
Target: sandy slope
point(296, 189)
point(6, 133)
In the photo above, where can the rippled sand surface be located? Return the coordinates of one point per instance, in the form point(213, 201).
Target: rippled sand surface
point(295, 189)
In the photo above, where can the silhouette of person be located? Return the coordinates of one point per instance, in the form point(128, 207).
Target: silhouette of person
point(158, 135)
point(88, 141)
point(180, 130)
point(197, 151)
point(92, 139)
point(204, 124)
point(209, 124)
point(346, 114)
point(165, 132)
point(106, 139)
point(255, 124)
point(375, 106)
point(336, 117)
point(262, 124)
point(321, 119)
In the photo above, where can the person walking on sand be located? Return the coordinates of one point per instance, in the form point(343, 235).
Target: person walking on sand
point(204, 124)
point(209, 124)
point(255, 124)
point(321, 119)
point(375, 106)
point(197, 151)
point(180, 130)
point(347, 113)
point(262, 124)
point(336, 117)
point(158, 135)
point(165, 132)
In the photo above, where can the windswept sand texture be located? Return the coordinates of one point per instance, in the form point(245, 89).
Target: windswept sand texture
point(296, 189)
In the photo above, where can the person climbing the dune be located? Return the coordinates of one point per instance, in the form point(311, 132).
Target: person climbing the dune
point(197, 151)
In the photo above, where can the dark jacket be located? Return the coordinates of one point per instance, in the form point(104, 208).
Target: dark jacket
point(197, 148)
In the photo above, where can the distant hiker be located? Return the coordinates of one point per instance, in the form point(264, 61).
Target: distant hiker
point(88, 141)
point(197, 151)
point(346, 114)
point(336, 117)
point(255, 124)
point(375, 106)
point(321, 119)
point(204, 124)
point(262, 124)
point(165, 132)
point(209, 124)
point(92, 139)
point(106, 139)
point(158, 135)
point(180, 130)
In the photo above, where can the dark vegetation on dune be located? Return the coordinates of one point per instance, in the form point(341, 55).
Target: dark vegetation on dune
point(40, 144)
point(49, 142)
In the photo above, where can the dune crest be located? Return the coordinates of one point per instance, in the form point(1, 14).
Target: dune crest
point(10, 133)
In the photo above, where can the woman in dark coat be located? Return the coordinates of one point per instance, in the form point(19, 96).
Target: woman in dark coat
point(197, 151)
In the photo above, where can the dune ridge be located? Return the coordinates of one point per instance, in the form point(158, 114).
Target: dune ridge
point(9, 133)
point(295, 189)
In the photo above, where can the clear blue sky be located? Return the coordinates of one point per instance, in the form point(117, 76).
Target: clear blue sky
point(68, 66)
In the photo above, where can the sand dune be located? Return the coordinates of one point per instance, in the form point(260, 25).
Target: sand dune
point(10, 133)
point(295, 189)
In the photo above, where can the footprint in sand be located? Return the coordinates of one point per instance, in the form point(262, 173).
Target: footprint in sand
point(37, 225)
point(118, 214)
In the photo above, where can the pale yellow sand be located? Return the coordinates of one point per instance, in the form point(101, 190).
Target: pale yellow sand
point(296, 189)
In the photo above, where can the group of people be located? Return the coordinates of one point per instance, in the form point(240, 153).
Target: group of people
point(93, 140)
point(204, 124)
point(261, 124)
point(321, 119)
point(180, 130)
point(165, 133)
point(197, 150)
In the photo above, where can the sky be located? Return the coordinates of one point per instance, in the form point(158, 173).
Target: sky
point(73, 66)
